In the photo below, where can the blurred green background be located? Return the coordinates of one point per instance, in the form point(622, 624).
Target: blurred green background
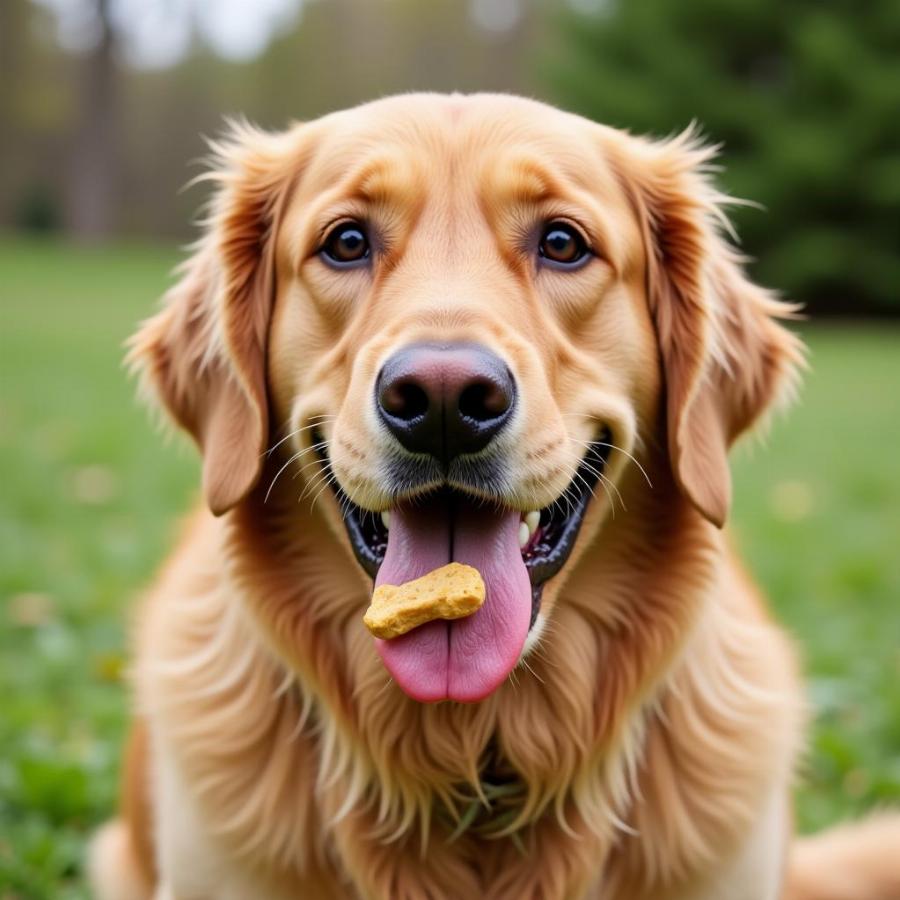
point(102, 107)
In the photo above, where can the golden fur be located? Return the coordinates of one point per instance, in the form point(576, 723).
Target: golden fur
point(651, 733)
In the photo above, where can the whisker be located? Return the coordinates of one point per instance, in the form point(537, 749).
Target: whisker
point(608, 481)
point(277, 474)
point(314, 482)
point(588, 445)
point(604, 480)
point(292, 459)
point(328, 481)
point(626, 453)
point(319, 484)
point(568, 500)
point(346, 507)
point(568, 495)
point(541, 651)
point(307, 465)
point(297, 431)
point(527, 666)
point(590, 490)
point(311, 448)
point(322, 490)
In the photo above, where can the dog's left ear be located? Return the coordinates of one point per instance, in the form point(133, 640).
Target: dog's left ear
point(203, 357)
point(725, 357)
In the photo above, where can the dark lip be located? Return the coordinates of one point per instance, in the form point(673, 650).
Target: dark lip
point(560, 521)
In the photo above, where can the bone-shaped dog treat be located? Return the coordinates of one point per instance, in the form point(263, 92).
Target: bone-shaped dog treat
point(450, 592)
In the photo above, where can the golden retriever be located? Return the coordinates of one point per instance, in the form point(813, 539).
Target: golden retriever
point(468, 328)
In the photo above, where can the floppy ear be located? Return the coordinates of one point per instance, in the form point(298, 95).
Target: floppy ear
point(726, 359)
point(203, 355)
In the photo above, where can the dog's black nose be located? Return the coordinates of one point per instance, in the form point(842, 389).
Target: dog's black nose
point(445, 399)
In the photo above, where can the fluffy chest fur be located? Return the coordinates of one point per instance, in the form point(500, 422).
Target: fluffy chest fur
point(304, 759)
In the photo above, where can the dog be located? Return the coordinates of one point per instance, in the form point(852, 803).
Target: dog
point(469, 328)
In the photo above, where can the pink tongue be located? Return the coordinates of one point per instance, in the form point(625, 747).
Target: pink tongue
point(468, 658)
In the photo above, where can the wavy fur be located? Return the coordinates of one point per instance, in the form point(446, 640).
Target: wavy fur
point(645, 748)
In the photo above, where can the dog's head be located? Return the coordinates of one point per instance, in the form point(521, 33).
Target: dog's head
point(467, 320)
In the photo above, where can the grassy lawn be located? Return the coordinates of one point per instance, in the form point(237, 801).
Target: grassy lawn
point(90, 497)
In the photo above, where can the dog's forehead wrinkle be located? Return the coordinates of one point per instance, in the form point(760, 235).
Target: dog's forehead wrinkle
point(462, 132)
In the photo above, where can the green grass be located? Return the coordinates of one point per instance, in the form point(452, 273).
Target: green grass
point(90, 497)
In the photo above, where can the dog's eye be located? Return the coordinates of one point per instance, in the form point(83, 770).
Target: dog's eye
point(346, 244)
point(563, 244)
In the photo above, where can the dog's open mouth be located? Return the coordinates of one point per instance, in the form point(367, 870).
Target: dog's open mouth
point(515, 552)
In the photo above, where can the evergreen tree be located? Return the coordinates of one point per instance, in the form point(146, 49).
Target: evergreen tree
point(804, 95)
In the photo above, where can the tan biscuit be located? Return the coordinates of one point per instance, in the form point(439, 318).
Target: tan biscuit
point(450, 592)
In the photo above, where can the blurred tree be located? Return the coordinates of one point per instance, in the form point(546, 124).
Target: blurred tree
point(335, 54)
point(12, 15)
point(117, 134)
point(35, 115)
point(94, 163)
point(804, 96)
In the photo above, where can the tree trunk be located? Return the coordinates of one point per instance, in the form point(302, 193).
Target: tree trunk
point(93, 176)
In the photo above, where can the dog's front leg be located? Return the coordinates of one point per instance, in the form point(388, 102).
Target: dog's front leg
point(191, 863)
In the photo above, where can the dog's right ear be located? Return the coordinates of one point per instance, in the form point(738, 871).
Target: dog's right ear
point(203, 355)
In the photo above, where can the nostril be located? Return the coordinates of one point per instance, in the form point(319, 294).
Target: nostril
point(484, 400)
point(404, 400)
point(444, 400)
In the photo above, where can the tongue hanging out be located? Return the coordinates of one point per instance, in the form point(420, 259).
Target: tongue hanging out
point(465, 659)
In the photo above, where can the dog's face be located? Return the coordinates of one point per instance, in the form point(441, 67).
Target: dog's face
point(461, 290)
point(460, 323)
point(469, 317)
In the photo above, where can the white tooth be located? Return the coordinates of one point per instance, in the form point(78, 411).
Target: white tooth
point(524, 534)
point(386, 519)
point(532, 520)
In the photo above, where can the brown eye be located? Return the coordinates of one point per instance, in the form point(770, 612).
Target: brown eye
point(346, 244)
point(562, 244)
